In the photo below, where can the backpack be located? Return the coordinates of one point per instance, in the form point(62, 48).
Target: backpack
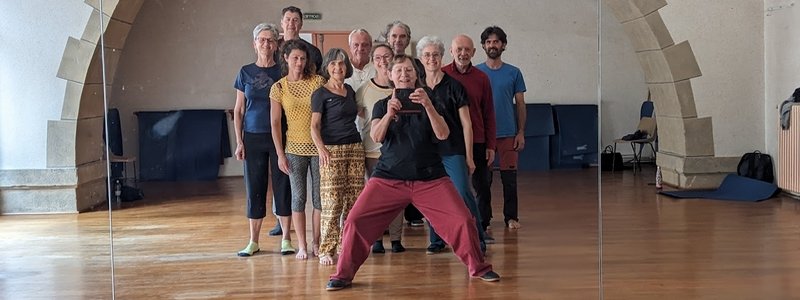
point(756, 165)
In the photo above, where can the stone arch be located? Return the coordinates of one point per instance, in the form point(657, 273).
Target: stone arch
point(75, 141)
point(686, 142)
point(686, 152)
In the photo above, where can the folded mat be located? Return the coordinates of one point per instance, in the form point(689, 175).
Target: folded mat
point(734, 188)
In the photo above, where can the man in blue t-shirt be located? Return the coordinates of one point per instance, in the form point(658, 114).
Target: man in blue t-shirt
point(508, 90)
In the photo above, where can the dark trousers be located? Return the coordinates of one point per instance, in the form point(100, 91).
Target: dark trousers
point(259, 159)
point(510, 200)
point(481, 181)
point(412, 213)
point(509, 180)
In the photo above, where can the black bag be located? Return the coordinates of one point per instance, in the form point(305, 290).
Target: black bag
point(756, 165)
point(610, 160)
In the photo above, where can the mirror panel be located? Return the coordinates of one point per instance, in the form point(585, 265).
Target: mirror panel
point(54, 241)
point(179, 61)
point(699, 62)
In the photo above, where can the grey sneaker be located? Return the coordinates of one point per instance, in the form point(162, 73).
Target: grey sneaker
point(336, 284)
point(490, 276)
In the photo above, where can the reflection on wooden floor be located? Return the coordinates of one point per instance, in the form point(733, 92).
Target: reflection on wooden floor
point(180, 243)
point(656, 247)
point(183, 246)
point(55, 256)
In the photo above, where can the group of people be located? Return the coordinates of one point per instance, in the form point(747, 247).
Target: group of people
point(425, 135)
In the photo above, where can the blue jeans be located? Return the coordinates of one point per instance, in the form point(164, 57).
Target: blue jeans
point(456, 167)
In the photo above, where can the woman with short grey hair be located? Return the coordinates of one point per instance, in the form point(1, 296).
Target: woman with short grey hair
point(254, 145)
point(456, 150)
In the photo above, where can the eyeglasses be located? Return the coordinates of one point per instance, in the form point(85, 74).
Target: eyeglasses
point(382, 57)
point(429, 55)
point(266, 40)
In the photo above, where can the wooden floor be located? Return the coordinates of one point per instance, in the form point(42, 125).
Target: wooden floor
point(656, 247)
point(180, 243)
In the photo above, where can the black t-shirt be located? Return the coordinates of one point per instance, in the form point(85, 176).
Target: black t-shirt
point(448, 96)
point(338, 115)
point(409, 150)
point(420, 70)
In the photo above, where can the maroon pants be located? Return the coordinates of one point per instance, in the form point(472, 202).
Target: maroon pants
point(382, 199)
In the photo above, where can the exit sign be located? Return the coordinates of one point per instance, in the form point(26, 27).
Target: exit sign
point(312, 16)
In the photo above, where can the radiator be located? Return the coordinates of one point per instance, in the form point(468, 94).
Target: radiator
point(789, 155)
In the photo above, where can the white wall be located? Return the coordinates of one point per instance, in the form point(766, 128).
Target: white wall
point(782, 63)
point(623, 85)
point(728, 40)
point(30, 93)
point(186, 54)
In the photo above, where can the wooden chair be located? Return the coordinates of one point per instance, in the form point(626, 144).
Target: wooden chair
point(125, 160)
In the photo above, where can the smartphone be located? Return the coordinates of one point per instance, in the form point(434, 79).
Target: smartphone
point(408, 107)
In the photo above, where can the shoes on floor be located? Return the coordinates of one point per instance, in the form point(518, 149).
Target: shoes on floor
point(397, 247)
point(514, 224)
point(286, 247)
point(434, 249)
point(336, 284)
point(276, 231)
point(252, 248)
point(490, 276)
point(416, 223)
point(377, 247)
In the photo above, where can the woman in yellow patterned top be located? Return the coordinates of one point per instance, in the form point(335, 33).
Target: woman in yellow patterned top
point(297, 153)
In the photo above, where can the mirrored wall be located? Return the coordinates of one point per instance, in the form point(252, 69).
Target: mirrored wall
point(54, 220)
point(172, 86)
point(701, 84)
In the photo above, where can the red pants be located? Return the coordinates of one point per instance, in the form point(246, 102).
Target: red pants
point(382, 199)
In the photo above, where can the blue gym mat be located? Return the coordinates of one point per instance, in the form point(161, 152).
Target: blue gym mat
point(733, 188)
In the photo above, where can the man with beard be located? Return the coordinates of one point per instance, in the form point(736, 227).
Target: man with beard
point(481, 112)
point(508, 87)
point(360, 43)
point(398, 36)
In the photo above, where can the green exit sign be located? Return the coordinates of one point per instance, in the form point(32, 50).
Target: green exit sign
point(312, 16)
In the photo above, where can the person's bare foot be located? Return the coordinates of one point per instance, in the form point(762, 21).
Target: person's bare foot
point(325, 260)
point(315, 250)
point(301, 254)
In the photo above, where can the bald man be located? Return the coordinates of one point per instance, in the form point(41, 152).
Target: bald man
point(481, 112)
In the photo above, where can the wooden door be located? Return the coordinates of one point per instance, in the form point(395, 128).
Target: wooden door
point(325, 40)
